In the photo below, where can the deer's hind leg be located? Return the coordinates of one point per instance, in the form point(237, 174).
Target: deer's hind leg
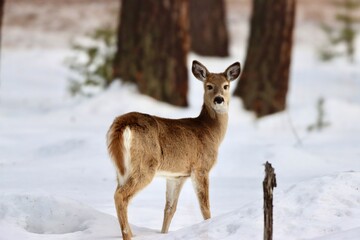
point(121, 205)
point(141, 156)
point(124, 194)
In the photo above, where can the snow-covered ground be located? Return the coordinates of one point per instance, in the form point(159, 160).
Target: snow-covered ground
point(57, 182)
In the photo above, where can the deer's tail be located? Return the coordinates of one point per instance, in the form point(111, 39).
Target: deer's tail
point(119, 139)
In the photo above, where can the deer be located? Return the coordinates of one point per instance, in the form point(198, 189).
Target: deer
point(143, 146)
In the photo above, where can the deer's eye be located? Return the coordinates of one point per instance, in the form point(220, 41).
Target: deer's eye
point(209, 87)
point(226, 87)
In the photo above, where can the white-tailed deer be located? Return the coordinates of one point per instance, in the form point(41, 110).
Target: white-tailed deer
point(144, 146)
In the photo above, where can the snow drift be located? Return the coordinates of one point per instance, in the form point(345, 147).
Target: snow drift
point(28, 216)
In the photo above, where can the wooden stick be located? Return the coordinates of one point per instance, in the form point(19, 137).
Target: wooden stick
point(268, 185)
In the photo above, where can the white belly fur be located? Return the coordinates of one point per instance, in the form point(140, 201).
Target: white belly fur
point(167, 174)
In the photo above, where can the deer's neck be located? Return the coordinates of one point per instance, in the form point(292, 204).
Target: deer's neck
point(215, 121)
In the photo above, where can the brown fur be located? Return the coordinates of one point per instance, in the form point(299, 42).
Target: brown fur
point(180, 147)
point(115, 146)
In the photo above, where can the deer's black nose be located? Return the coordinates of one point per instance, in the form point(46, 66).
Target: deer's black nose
point(218, 100)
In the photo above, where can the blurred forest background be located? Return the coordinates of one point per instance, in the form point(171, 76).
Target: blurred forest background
point(147, 42)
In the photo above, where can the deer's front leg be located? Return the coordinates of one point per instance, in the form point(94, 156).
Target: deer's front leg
point(200, 180)
point(173, 188)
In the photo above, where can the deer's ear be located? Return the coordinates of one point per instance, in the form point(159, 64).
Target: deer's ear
point(233, 71)
point(199, 71)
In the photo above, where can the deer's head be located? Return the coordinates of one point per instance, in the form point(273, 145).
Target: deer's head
point(216, 85)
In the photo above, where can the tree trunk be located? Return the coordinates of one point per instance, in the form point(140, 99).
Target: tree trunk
point(2, 5)
point(208, 29)
point(263, 84)
point(269, 184)
point(152, 48)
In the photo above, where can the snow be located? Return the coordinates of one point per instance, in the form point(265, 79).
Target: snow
point(57, 181)
point(33, 215)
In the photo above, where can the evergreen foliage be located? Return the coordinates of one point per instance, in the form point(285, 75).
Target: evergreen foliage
point(92, 62)
point(344, 34)
point(320, 123)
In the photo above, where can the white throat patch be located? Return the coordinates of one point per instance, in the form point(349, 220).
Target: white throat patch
point(221, 107)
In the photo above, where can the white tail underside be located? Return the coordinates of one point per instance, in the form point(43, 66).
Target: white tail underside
point(127, 138)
